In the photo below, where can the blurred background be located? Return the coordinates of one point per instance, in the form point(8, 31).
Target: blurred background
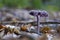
point(17, 8)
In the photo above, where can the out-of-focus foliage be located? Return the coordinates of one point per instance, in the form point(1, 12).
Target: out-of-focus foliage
point(15, 3)
point(1, 4)
point(10, 3)
point(36, 4)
